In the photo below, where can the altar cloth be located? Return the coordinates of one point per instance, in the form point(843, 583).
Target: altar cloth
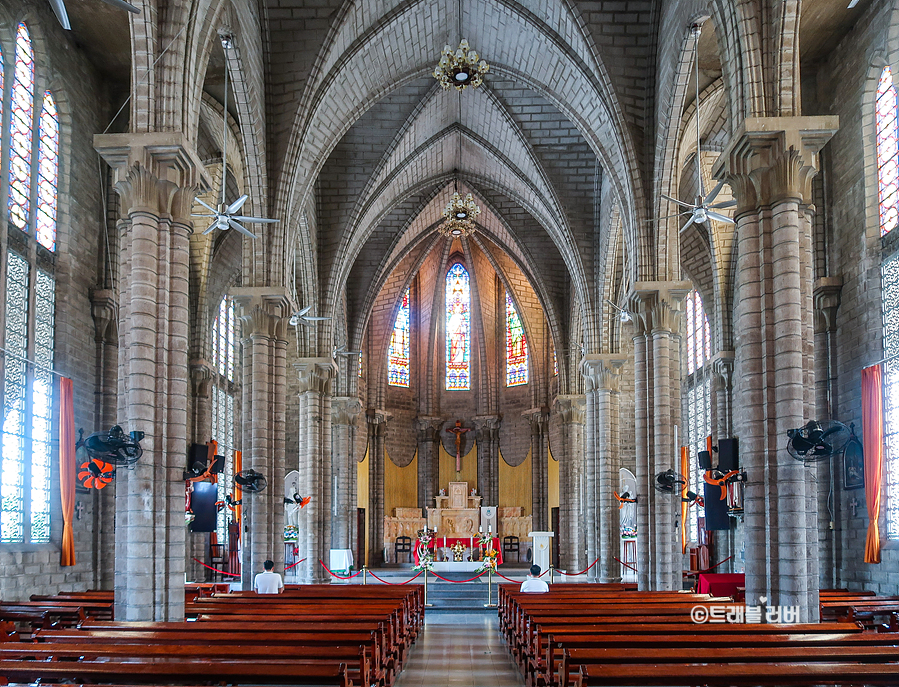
point(438, 541)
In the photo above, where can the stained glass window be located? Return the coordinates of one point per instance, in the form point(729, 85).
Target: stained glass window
point(21, 129)
point(555, 363)
point(696, 398)
point(27, 404)
point(398, 363)
point(516, 347)
point(458, 328)
point(890, 296)
point(48, 168)
point(361, 371)
point(887, 152)
point(224, 362)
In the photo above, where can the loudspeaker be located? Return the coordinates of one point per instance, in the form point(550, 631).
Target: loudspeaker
point(202, 505)
point(728, 458)
point(705, 460)
point(218, 467)
point(199, 453)
point(715, 508)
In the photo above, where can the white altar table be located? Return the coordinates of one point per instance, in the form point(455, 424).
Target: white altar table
point(456, 566)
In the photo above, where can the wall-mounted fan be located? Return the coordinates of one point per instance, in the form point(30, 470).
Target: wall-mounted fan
point(96, 474)
point(817, 441)
point(250, 481)
point(670, 482)
point(693, 499)
point(113, 447)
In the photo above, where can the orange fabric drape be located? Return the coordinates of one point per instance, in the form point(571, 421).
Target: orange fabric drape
point(872, 438)
point(68, 469)
point(238, 466)
point(212, 447)
point(685, 471)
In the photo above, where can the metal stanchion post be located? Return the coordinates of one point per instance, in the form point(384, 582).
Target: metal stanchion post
point(489, 603)
point(552, 571)
point(426, 590)
point(364, 575)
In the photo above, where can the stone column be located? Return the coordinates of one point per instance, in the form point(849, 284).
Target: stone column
point(315, 458)
point(201, 379)
point(727, 543)
point(657, 309)
point(538, 418)
point(769, 164)
point(488, 458)
point(156, 179)
point(345, 412)
point(377, 436)
point(104, 310)
point(601, 373)
point(263, 316)
point(428, 455)
point(571, 411)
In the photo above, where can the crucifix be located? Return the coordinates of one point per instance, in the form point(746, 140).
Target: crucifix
point(458, 430)
point(79, 510)
point(853, 506)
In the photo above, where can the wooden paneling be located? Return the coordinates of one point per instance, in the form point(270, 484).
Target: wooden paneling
point(447, 472)
point(400, 485)
point(515, 484)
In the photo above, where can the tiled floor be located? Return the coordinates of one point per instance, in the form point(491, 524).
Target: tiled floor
point(459, 651)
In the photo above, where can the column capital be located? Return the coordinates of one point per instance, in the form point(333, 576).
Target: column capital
point(105, 311)
point(772, 159)
point(345, 410)
point(315, 374)
point(428, 427)
point(538, 417)
point(571, 408)
point(487, 426)
point(200, 376)
point(827, 301)
point(377, 416)
point(165, 155)
point(656, 305)
point(264, 311)
point(723, 367)
point(601, 371)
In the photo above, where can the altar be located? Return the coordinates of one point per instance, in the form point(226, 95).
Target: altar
point(443, 554)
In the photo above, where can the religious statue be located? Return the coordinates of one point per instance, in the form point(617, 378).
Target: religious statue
point(458, 549)
point(458, 430)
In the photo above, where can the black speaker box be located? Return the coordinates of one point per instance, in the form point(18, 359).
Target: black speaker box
point(218, 467)
point(728, 456)
point(705, 460)
point(199, 453)
point(715, 508)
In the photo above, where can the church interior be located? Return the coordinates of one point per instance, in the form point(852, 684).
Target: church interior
point(302, 280)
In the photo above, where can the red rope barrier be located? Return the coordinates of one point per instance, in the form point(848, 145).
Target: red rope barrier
point(584, 571)
point(221, 572)
point(293, 565)
point(459, 581)
point(625, 564)
point(699, 572)
point(339, 577)
point(395, 584)
point(499, 574)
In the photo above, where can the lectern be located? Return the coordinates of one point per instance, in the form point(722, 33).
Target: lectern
point(542, 545)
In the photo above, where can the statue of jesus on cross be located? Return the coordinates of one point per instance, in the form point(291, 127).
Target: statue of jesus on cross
point(458, 430)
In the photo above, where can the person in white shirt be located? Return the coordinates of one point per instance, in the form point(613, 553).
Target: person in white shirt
point(534, 583)
point(268, 582)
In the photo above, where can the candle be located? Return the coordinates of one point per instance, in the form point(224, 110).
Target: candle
point(470, 543)
point(489, 529)
point(444, 541)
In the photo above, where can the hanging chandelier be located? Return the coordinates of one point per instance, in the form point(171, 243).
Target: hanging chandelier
point(459, 213)
point(460, 68)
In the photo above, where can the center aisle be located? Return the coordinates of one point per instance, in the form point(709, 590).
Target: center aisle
point(459, 651)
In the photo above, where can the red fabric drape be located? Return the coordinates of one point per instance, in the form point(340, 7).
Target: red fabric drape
point(685, 471)
point(238, 492)
point(872, 438)
point(68, 470)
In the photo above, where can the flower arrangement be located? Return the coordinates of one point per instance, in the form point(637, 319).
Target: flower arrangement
point(488, 563)
point(291, 532)
point(628, 532)
point(485, 539)
point(425, 536)
point(425, 561)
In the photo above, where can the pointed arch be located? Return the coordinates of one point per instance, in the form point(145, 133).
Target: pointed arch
point(516, 346)
point(458, 328)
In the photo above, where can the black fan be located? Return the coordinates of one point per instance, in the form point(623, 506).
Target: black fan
point(670, 482)
point(817, 440)
point(113, 446)
point(693, 498)
point(250, 481)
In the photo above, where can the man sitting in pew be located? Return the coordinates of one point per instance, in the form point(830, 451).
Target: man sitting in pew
point(533, 583)
point(268, 582)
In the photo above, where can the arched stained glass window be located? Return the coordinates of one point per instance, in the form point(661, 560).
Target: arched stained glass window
point(555, 363)
point(516, 347)
point(458, 328)
point(696, 398)
point(48, 169)
point(21, 130)
point(224, 392)
point(398, 362)
point(887, 152)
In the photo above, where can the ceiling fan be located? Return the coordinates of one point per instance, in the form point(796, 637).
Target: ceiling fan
point(300, 317)
point(341, 350)
point(59, 9)
point(225, 216)
point(702, 209)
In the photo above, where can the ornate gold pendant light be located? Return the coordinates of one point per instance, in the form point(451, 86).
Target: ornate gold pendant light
point(460, 68)
point(459, 213)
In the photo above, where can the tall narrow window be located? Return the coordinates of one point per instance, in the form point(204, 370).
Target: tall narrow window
point(224, 392)
point(398, 363)
point(890, 300)
point(516, 347)
point(887, 152)
point(697, 408)
point(30, 138)
point(458, 328)
point(555, 363)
